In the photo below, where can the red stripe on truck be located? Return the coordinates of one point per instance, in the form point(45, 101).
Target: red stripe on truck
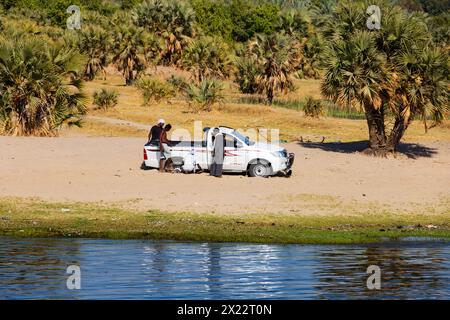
point(145, 154)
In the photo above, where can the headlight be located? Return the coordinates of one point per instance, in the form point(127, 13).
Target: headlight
point(280, 154)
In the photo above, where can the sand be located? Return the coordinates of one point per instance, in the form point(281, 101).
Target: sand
point(327, 178)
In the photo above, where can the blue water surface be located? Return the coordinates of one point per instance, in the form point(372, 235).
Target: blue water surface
point(143, 269)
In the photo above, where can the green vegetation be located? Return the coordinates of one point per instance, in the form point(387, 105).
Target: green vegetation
point(246, 75)
point(206, 57)
point(392, 75)
point(179, 83)
point(171, 20)
point(105, 98)
point(40, 88)
point(154, 90)
point(27, 218)
point(313, 108)
point(94, 43)
point(396, 69)
point(276, 56)
point(205, 95)
point(129, 45)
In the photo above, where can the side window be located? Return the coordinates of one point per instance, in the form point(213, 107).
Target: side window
point(229, 141)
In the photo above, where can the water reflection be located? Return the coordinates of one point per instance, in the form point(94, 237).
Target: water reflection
point(35, 263)
point(35, 268)
point(407, 272)
point(213, 272)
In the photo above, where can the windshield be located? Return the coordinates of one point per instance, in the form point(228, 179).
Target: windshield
point(241, 137)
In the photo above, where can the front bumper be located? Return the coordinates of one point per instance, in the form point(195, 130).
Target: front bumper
point(284, 166)
point(290, 161)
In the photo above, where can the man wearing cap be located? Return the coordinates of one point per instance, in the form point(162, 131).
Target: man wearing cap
point(155, 132)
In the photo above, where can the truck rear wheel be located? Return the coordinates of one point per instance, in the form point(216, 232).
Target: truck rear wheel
point(144, 166)
point(259, 169)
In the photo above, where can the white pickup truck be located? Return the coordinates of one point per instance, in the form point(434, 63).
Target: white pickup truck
point(241, 155)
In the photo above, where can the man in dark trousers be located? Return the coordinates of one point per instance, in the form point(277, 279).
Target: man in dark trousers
point(155, 132)
point(218, 154)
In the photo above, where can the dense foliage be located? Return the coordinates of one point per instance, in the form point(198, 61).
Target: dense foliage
point(39, 88)
point(398, 73)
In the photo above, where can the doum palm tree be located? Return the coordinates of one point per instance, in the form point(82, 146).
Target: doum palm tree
point(206, 57)
point(393, 74)
point(129, 52)
point(94, 43)
point(40, 88)
point(277, 57)
point(171, 20)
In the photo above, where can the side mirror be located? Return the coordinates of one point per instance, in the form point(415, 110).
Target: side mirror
point(238, 144)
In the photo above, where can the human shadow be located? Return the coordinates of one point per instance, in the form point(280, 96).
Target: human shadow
point(411, 150)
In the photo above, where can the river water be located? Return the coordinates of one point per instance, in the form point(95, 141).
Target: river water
point(142, 269)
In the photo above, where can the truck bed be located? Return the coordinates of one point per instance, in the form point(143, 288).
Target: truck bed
point(184, 143)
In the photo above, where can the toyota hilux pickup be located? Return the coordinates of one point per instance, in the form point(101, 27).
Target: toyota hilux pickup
point(241, 155)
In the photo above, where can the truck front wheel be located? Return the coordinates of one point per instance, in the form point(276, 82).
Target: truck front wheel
point(259, 169)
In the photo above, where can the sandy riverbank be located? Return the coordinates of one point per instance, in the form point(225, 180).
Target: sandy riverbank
point(327, 179)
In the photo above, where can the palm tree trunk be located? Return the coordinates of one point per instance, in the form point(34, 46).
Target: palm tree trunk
point(397, 133)
point(269, 96)
point(377, 134)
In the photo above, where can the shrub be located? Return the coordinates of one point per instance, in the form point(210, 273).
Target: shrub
point(153, 89)
point(105, 98)
point(56, 11)
point(313, 108)
point(178, 83)
point(204, 95)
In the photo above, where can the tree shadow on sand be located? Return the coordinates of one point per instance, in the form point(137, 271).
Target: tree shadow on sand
point(411, 150)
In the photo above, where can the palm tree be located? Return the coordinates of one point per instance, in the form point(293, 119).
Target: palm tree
point(277, 56)
point(94, 44)
point(355, 76)
point(128, 51)
point(171, 20)
point(206, 57)
point(40, 88)
point(422, 90)
point(394, 70)
point(246, 74)
point(311, 57)
point(294, 22)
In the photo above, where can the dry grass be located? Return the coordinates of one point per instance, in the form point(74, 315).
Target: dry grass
point(93, 128)
point(291, 123)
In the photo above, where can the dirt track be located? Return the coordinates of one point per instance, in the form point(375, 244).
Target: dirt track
point(107, 169)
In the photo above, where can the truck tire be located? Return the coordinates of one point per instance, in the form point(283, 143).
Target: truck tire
point(144, 166)
point(259, 169)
